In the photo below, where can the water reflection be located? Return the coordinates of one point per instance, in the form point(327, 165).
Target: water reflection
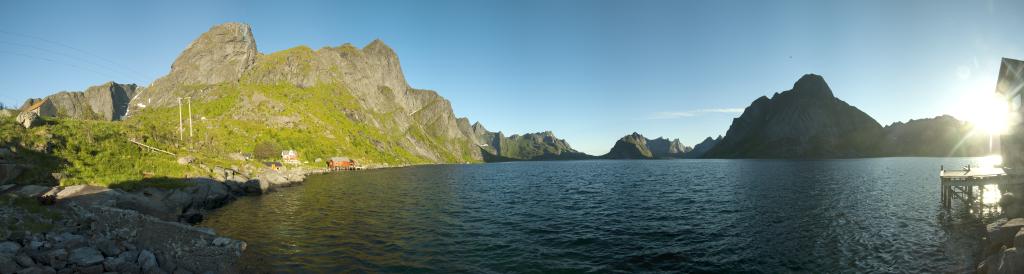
point(736, 216)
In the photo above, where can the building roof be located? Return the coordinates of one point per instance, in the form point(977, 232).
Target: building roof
point(36, 105)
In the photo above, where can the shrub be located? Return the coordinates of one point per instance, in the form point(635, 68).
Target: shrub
point(266, 150)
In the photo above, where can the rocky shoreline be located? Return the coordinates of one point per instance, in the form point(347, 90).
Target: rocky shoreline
point(1004, 237)
point(94, 229)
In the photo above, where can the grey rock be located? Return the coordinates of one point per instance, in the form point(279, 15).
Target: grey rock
point(184, 160)
point(32, 190)
point(38, 270)
point(24, 260)
point(221, 241)
point(9, 171)
point(85, 256)
point(7, 264)
point(9, 248)
point(29, 119)
point(92, 269)
point(57, 258)
point(113, 263)
point(147, 260)
point(257, 186)
point(108, 247)
point(181, 271)
point(1003, 235)
point(108, 101)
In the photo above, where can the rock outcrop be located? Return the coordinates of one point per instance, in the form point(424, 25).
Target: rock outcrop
point(28, 119)
point(636, 146)
point(108, 101)
point(807, 121)
point(942, 136)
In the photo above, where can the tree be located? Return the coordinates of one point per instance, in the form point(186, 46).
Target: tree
point(266, 150)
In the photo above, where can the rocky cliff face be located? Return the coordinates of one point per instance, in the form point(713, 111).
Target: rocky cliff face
point(221, 55)
point(108, 101)
point(353, 95)
point(807, 121)
point(942, 136)
point(636, 146)
point(703, 147)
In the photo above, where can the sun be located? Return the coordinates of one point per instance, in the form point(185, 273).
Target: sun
point(987, 111)
point(991, 115)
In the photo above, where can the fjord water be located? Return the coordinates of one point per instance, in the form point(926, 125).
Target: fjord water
point(856, 215)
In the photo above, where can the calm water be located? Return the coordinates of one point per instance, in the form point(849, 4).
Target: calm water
point(861, 215)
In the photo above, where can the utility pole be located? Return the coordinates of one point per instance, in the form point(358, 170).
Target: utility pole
point(189, 117)
point(181, 126)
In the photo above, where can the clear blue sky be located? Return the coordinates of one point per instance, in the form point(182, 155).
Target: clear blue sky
point(591, 71)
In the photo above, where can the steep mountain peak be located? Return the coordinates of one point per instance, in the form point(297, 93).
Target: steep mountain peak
point(219, 55)
point(812, 84)
point(378, 47)
point(807, 121)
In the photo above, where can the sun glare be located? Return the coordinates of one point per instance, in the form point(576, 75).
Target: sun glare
point(988, 112)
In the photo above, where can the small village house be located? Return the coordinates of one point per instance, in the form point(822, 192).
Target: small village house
point(42, 107)
point(344, 163)
point(273, 165)
point(290, 157)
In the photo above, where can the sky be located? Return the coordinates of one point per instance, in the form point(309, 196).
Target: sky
point(590, 71)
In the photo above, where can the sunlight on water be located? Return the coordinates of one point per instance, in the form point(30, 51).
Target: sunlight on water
point(991, 195)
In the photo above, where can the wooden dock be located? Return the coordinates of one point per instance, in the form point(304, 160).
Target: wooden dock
point(968, 185)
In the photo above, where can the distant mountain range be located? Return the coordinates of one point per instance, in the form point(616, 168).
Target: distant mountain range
point(636, 146)
point(355, 102)
point(808, 121)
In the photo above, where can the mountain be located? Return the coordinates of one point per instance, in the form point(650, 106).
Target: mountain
point(108, 101)
point(333, 101)
point(636, 146)
point(941, 136)
point(703, 147)
point(807, 121)
point(495, 147)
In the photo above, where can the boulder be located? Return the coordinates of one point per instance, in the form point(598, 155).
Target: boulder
point(24, 260)
point(147, 260)
point(184, 160)
point(8, 172)
point(29, 119)
point(85, 256)
point(1002, 234)
point(108, 247)
point(32, 191)
point(256, 186)
point(9, 248)
point(92, 269)
point(1010, 262)
point(7, 264)
point(38, 270)
point(57, 258)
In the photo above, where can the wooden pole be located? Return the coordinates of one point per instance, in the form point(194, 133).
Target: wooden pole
point(181, 127)
point(189, 117)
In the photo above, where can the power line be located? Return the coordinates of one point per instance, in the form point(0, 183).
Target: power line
point(69, 47)
point(113, 70)
point(104, 74)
